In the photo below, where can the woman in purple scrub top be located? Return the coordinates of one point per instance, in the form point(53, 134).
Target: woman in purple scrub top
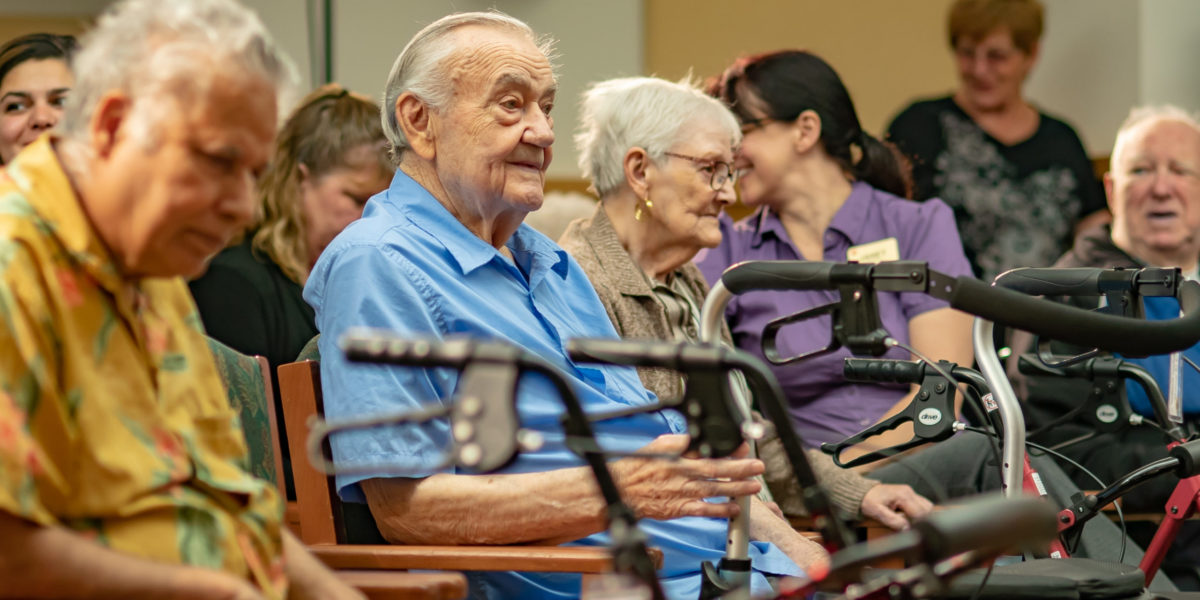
point(824, 189)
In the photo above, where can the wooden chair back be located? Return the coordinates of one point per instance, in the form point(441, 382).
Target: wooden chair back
point(300, 388)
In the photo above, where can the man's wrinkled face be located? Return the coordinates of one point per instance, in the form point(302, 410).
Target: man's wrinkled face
point(492, 142)
point(165, 205)
point(1154, 187)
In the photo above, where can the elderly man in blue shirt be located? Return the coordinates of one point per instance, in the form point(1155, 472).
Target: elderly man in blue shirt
point(443, 252)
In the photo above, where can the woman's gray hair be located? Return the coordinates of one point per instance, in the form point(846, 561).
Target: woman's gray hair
point(420, 67)
point(1143, 114)
point(643, 112)
point(156, 51)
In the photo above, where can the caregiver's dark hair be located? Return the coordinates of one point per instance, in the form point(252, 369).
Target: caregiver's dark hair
point(786, 83)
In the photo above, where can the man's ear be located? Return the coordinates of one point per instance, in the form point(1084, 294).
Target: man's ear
point(416, 121)
point(806, 131)
point(111, 114)
point(635, 165)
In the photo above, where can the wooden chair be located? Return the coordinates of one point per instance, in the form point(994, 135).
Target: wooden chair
point(247, 382)
point(325, 534)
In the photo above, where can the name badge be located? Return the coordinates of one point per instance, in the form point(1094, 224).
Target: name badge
point(873, 252)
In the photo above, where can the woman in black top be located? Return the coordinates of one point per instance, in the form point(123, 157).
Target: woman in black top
point(1019, 180)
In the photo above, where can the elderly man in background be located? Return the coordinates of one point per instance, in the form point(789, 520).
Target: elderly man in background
point(444, 252)
point(120, 457)
point(1153, 188)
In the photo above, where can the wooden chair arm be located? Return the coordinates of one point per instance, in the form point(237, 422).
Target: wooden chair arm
point(545, 559)
point(398, 585)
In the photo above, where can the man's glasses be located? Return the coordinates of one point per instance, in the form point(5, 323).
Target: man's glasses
point(721, 172)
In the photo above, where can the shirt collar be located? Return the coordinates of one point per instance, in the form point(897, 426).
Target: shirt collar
point(850, 219)
point(39, 175)
point(536, 254)
point(765, 224)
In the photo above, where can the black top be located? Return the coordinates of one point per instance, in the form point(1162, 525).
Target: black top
point(247, 303)
point(1016, 205)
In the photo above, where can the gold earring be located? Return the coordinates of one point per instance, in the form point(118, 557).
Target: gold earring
point(637, 213)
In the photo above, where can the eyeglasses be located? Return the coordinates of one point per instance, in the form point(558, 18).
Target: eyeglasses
point(721, 171)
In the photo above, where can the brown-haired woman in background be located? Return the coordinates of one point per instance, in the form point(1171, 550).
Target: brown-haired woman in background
point(1018, 179)
point(328, 160)
point(35, 77)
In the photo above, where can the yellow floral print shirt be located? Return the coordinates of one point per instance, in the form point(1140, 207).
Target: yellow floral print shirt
point(113, 419)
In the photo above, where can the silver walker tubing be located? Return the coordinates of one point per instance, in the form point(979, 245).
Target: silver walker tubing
point(1013, 453)
point(737, 543)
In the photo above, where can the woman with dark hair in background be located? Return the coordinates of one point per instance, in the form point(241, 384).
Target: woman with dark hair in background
point(1018, 179)
point(35, 77)
point(328, 160)
point(825, 189)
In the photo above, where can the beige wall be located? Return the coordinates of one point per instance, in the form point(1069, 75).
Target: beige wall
point(596, 40)
point(13, 26)
point(887, 51)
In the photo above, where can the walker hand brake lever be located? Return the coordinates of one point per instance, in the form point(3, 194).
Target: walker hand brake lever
point(931, 412)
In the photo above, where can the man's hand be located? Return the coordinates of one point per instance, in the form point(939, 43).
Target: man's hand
point(665, 489)
point(894, 505)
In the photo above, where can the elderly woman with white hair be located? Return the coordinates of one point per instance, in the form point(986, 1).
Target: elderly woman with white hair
point(660, 157)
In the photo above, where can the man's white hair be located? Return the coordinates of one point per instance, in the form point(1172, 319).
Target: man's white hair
point(420, 67)
point(644, 112)
point(156, 51)
point(1146, 114)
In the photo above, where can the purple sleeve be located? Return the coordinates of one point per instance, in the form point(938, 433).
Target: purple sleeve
point(931, 235)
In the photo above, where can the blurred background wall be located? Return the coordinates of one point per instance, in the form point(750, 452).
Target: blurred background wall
point(1099, 57)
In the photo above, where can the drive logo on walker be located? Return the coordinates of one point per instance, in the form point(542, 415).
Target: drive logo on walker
point(929, 416)
point(1107, 413)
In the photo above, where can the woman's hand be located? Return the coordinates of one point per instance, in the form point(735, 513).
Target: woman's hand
point(894, 505)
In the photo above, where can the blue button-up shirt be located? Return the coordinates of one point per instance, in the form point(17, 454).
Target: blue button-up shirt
point(409, 266)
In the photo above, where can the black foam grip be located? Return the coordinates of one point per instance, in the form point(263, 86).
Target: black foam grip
point(1188, 454)
point(1052, 282)
point(883, 370)
point(1079, 326)
point(993, 522)
point(778, 275)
